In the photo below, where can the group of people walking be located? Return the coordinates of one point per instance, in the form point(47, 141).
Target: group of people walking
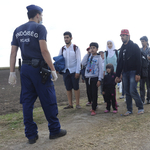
point(112, 67)
point(103, 70)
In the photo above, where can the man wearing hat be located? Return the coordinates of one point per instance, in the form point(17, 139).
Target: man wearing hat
point(31, 38)
point(146, 50)
point(129, 65)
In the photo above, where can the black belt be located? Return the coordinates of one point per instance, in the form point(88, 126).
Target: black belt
point(29, 62)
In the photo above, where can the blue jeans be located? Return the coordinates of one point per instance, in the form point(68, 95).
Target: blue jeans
point(130, 86)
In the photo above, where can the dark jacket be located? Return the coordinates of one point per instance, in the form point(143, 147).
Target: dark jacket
point(129, 59)
point(109, 81)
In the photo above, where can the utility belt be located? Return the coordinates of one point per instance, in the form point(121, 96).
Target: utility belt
point(44, 69)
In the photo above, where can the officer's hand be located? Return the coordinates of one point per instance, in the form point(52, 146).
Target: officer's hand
point(12, 78)
point(137, 78)
point(77, 75)
point(54, 76)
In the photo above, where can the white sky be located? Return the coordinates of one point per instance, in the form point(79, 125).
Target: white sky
point(87, 20)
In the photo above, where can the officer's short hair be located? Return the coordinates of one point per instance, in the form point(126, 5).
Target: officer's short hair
point(68, 33)
point(33, 13)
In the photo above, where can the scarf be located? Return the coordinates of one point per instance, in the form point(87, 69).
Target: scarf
point(111, 51)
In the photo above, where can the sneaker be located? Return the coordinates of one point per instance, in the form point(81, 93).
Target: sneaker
point(32, 141)
point(78, 106)
point(148, 101)
point(121, 97)
point(60, 134)
point(115, 111)
point(68, 107)
point(128, 113)
point(106, 111)
point(88, 104)
point(141, 111)
point(93, 113)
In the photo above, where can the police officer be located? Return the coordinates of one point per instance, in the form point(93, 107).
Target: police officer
point(31, 38)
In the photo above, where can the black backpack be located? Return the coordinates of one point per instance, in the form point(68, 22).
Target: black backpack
point(116, 52)
point(144, 66)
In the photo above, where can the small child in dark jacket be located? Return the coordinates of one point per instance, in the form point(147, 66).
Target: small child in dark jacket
point(109, 89)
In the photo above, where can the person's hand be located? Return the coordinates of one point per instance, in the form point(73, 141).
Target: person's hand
point(103, 93)
point(82, 81)
point(137, 78)
point(103, 73)
point(98, 83)
point(117, 80)
point(12, 78)
point(77, 75)
point(54, 76)
point(148, 57)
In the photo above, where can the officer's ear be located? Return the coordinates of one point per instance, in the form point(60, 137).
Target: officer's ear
point(37, 15)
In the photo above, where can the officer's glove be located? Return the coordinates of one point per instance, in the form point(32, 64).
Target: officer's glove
point(54, 76)
point(12, 78)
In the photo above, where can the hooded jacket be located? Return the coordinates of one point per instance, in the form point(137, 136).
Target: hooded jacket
point(129, 59)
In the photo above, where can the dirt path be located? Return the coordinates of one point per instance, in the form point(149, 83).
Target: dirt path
point(86, 132)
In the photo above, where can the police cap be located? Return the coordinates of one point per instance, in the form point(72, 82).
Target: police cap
point(34, 7)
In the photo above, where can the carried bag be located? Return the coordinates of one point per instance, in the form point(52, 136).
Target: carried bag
point(59, 63)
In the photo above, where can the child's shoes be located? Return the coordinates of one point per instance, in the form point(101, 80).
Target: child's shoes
point(93, 113)
point(115, 111)
point(106, 111)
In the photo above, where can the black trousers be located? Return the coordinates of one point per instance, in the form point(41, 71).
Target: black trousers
point(142, 89)
point(92, 91)
point(101, 89)
point(110, 97)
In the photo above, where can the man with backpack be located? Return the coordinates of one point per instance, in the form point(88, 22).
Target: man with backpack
point(145, 50)
point(71, 73)
point(130, 64)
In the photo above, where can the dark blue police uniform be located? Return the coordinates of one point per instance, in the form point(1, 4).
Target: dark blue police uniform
point(27, 37)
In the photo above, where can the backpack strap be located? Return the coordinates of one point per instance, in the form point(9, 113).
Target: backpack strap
point(75, 47)
point(116, 52)
point(63, 49)
point(106, 53)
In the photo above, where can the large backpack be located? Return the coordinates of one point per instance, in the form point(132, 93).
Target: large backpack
point(144, 66)
point(116, 52)
point(59, 63)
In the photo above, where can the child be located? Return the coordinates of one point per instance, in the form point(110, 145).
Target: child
point(109, 89)
point(93, 75)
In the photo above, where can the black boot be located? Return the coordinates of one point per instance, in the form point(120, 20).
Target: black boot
point(32, 141)
point(60, 134)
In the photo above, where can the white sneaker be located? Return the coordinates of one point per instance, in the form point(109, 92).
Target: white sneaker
point(121, 97)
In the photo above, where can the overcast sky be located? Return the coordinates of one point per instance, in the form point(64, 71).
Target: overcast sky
point(87, 20)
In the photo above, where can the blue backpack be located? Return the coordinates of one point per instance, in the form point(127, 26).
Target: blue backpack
point(59, 63)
